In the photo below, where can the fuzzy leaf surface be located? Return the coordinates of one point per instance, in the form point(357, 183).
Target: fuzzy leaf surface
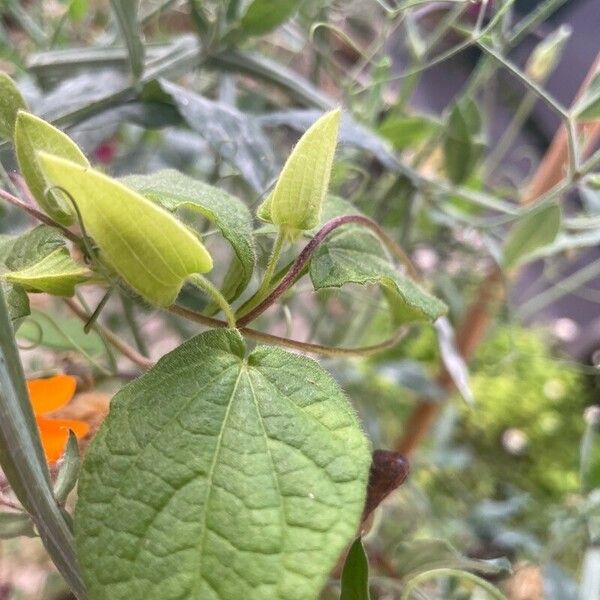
point(353, 254)
point(11, 102)
point(145, 244)
point(221, 475)
point(174, 191)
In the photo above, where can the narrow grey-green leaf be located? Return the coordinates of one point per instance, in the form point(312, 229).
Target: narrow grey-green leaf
point(264, 15)
point(220, 474)
point(32, 134)
point(535, 230)
point(69, 470)
point(22, 459)
point(14, 524)
point(231, 134)
point(173, 191)
point(11, 102)
point(126, 12)
point(355, 576)
point(352, 254)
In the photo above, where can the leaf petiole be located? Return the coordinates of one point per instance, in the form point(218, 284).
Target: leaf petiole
point(210, 290)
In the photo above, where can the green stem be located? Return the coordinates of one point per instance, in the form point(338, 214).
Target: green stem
point(265, 285)
point(209, 289)
point(444, 572)
point(129, 314)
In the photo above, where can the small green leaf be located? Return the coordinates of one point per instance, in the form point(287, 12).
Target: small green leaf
point(11, 102)
point(38, 261)
point(296, 202)
point(264, 15)
point(146, 245)
point(462, 149)
point(588, 108)
point(126, 12)
point(33, 134)
point(352, 254)
point(56, 274)
point(174, 191)
point(355, 576)
point(69, 470)
point(15, 524)
point(535, 230)
point(407, 132)
point(221, 474)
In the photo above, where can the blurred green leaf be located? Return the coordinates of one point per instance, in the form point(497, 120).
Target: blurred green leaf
point(126, 12)
point(60, 333)
point(355, 576)
point(246, 466)
point(407, 132)
point(588, 108)
point(296, 202)
point(352, 254)
point(33, 134)
point(462, 148)
point(11, 101)
point(262, 16)
point(14, 524)
point(231, 134)
point(78, 9)
point(17, 302)
point(146, 245)
point(174, 191)
point(536, 229)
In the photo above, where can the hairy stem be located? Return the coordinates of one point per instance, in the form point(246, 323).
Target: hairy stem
point(209, 289)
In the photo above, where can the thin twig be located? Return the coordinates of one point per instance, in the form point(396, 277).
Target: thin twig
point(123, 347)
point(40, 216)
point(288, 343)
point(298, 265)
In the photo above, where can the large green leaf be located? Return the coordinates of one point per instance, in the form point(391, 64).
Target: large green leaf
point(535, 230)
point(146, 245)
point(352, 254)
point(11, 101)
point(297, 200)
point(33, 134)
point(173, 190)
point(221, 474)
point(355, 576)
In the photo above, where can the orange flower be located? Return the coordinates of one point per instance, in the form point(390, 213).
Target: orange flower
point(48, 395)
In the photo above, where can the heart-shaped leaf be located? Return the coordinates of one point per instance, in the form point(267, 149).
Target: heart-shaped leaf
point(173, 191)
point(145, 244)
point(352, 254)
point(33, 134)
point(220, 474)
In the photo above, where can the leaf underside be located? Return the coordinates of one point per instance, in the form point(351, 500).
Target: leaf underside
point(221, 476)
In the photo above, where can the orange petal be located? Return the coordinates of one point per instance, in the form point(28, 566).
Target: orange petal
point(55, 433)
point(51, 394)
